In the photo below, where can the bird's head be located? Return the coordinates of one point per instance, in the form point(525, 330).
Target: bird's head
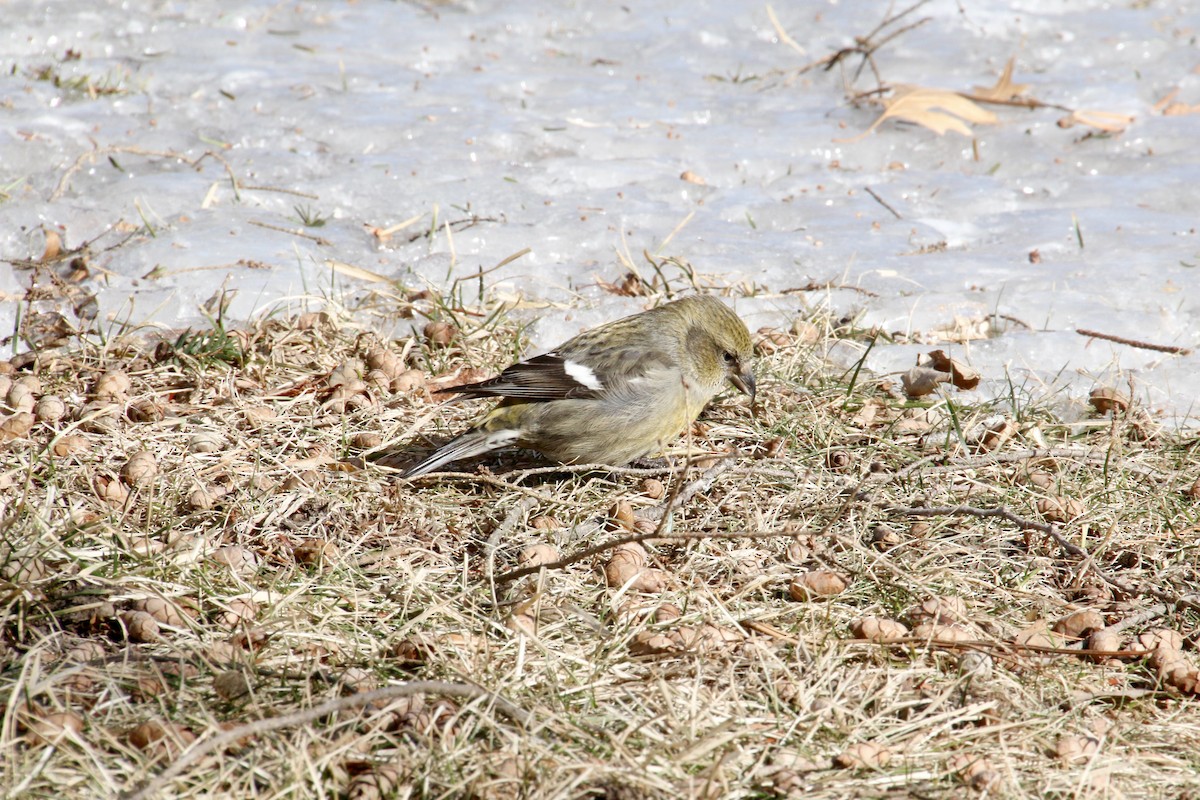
point(719, 344)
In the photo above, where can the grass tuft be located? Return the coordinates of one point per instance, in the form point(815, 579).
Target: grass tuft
point(264, 607)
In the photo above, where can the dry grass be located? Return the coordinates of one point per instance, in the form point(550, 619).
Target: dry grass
point(289, 572)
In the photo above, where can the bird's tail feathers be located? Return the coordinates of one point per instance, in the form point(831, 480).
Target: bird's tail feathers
point(470, 444)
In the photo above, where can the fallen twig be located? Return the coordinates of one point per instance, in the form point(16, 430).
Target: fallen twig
point(820, 286)
point(321, 240)
point(1019, 102)
point(882, 202)
point(1158, 348)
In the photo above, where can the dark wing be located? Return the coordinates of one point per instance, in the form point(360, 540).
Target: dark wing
point(554, 376)
point(546, 377)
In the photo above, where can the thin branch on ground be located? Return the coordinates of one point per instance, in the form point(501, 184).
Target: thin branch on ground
point(821, 286)
point(883, 202)
point(866, 46)
point(1158, 348)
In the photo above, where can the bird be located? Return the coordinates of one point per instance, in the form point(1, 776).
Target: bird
point(614, 393)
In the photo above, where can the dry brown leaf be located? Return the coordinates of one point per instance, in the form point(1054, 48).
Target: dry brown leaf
point(22, 570)
point(910, 425)
point(1179, 109)
point(667, 612)
point(408, 380)
point(238, 612)
point(920, 381)
point(113, 385)
point(630, 285)
point(52, 727)
point(1060, 509)
point(937, 609)
point(1079, 624)
point(863, 755)
point(110, 489)
point(651, 581)
point(815, 585)
point(1161, 638)
point(161, 738)
point(163, 611)
point(204, 498)
point(1167, 100)
point(620, 515)
point(879, 629)
point(140, 626)
point(1175, 670)
point(1105, 640)
point(53, 245)
point(237, 558)
point(538, 554)
point(653, 643)
point(385, 360)
point(1168, 107)
point(975, 771)
point(1004, 89)
point(768, 340)
point(839, 460)
point(1038, 636)
point(17, 426)
point(1074, 749)
point(1105, 121)
point(935, 633)
point(1105, 399)
point(991, 433)
point(627, 568)
point(625, 562)
point(140, 469)
point(440, 333)
point(884, 538)
point(867, 415)
point(50, 409)
point(962, 376)
point(939, 110)
point(653, 488)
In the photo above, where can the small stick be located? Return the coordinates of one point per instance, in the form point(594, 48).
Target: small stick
point(788, 40)
point(1020, 102)
point(1140, 618)
point(251, 188)
point(883, 202)
point(815, 286)
point(321, 240)
point(1158, 348)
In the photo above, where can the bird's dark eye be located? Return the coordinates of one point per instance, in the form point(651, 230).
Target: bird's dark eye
point(729, 357)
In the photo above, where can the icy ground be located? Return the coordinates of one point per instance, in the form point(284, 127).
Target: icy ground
point(565, 127)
